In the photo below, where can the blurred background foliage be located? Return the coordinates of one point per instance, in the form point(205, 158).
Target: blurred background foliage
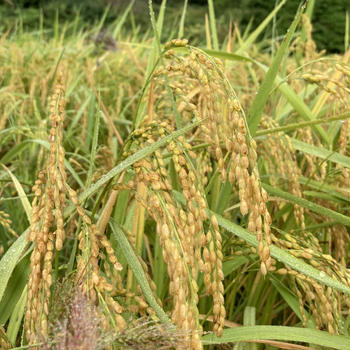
point(329, 16)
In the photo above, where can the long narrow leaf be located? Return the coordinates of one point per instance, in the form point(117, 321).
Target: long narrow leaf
point(182, 20)
point(212, 21)
point(134, 158)
point(259, 102)
point(340, 218)
point(341, 193)
point(279, 333)
point(16, 317)
point(252, 37)
point(300, 125)
point(321, 153)
point(138, 271)
point(277, 253)
point(22, 195)
point(283, 256)
point(122, 20)
point(9, 261)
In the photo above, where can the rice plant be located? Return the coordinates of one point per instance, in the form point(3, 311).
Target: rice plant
point(160, 194)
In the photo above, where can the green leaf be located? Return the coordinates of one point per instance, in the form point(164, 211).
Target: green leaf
point(16, 317)
point(252, 37)
point(14, 289)
point(299, 125)
point(153, 57)
point(340, 218)
point(122, 20)
point(13, 152)
point(255, 112)
point(22, 195)
point(232, 265)
point(292, 301)
point(299, 105)
point(321, 153)
point(94, 143)
point(227, 56)
point(134, 158)
point(137, 269)
point(212, 21)
point(305, 335)
point(9, 261)
point(341, 193)
point(283, 256)
point(182, 21)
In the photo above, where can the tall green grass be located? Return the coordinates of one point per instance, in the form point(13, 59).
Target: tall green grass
point(297, 110)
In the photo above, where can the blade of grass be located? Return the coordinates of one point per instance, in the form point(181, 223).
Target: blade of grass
point(103, 18)
point(157, 27)
point(14, 288)
point(299, 125)
point(90, 123)
point(16, 317)
point(305, 335)
point(340, 218)
point(76, 119)
point(212, 21)
point(182, 20)
point(207, 32)
point(232, 265)
point(321, 152)
point(22, 195)
point(122, 20)
point(292, 301)
point(283, 256)
point(226, 55)
point(277, 253)
point(138, 271)
point(153, 56)
point(347, 29)
point(252, 37)
point(93, 149)
point(332, 190)
point(255, 111)
point(9, 261)
point(134, 158)
point(299, 106)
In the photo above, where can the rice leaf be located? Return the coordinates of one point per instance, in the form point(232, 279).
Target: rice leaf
point(257, 107)
point(9, 261)
point(338, 217)
point(252, 37)
point(122, 19)
point(305, 335)
point(22, 195)
point(292, 301)
point(16, 317)
point(212, 21)
point(137, 269)
point(321, 152)
point(299, 125)
point(134, 158)
point(283, 256)
point(14, 288)
point(182, 20)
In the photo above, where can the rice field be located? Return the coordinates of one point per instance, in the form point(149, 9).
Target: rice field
point(156, 194)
